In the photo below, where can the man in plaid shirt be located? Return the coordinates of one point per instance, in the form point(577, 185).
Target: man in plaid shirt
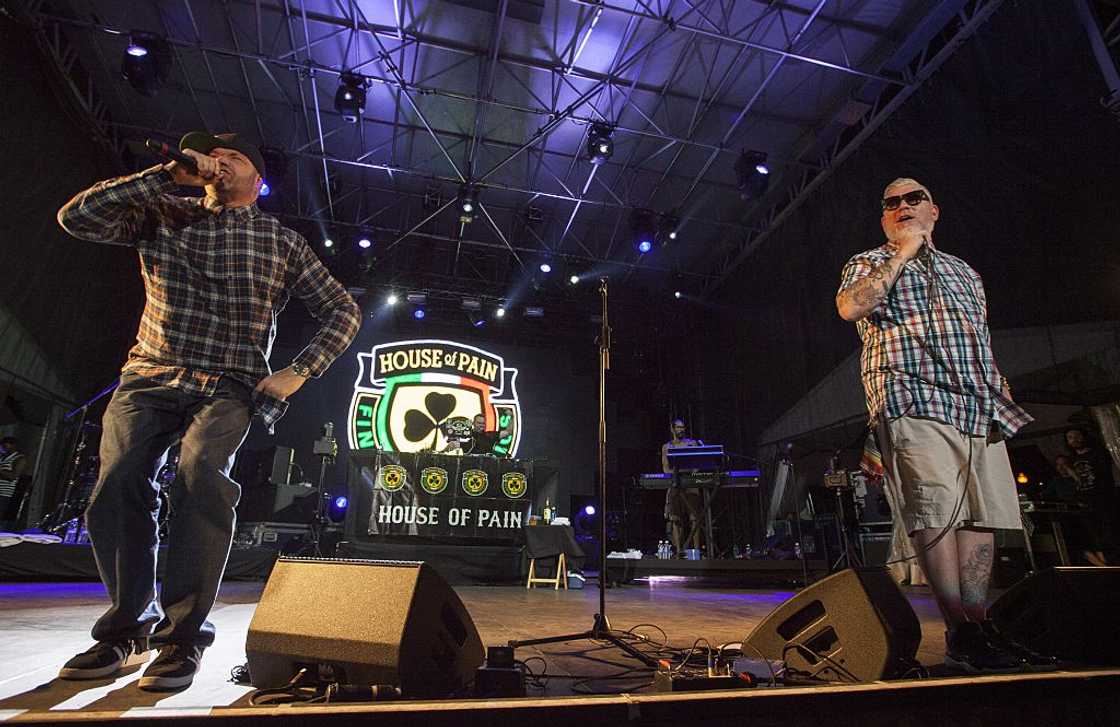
point(940, 409)
point(217, 272)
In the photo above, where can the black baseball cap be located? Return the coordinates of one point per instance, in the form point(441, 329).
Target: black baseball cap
point(204, 143)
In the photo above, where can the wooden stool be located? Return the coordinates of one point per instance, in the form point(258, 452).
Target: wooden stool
point(560, 577)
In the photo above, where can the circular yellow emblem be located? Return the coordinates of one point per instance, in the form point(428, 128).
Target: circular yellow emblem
point(392, 477)
point(475, 482)
point(433, 480)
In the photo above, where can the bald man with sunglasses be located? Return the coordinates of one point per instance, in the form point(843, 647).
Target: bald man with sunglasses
point(940, 410)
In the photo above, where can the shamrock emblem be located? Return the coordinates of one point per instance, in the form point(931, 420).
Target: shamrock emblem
point(418, 425)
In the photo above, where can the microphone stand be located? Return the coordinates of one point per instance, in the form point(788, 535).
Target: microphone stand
point(326, 448)
point(600, 628)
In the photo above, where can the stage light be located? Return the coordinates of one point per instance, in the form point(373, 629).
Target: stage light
point(468, 203)
point(365, 243)
point(546, 268)
point(479, 323)
point(419, 314)
point(676, 294)
point(337, 510)
point(417, 298)
point(391, 299)
point(145, 61)
point(471, 304)
point(752, 174)
point(589, 510)
point(328, 243)
point(669, 225)
point(265, 189)
point(1022, 478)
point(644, 229)
point(534, 311)
point(350, 98)
point(599, 144)
point(500, 313)
point(574, 279)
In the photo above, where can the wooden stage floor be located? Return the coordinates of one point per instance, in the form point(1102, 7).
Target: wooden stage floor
point(46, 623)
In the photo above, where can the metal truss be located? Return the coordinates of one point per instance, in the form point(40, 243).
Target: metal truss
point(598, 97)
point(969, 18)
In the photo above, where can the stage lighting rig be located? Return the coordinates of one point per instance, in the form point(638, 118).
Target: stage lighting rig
point(600, 147)
point(752, 174)
point(644, 229)
point(275, 167)
point(468, 203)
point(471, 304)
point(670, 226)
point(350, 98)
point(145, 62)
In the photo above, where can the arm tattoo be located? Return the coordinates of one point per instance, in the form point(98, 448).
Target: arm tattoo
point(870, 290)
point(975, 573)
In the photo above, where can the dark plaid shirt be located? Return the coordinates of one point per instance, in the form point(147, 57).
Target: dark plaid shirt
point(215, 281)
point(927, 351)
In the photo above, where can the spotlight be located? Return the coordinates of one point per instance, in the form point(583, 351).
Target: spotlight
point(752, 174)
point(500, 312)
point(337, 510)
point(644, 228)
point(350, 98)
point(546, 268)
point(676, 294)
point(574, 280)
point(391, 299)
point(417, 298)
point(468, 203)
point(589, 510)
point(275, 166)
point(479, 322)
point(670, 223)
point(365, 243)
point(328, 243)
point(419, 314)
point(145, 61)
point(599, 144)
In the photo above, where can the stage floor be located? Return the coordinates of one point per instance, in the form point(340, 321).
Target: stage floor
point(46, 623)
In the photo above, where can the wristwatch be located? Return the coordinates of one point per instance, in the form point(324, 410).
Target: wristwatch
point(301, 370)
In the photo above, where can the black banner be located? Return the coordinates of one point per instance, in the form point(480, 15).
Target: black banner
point(441, 495)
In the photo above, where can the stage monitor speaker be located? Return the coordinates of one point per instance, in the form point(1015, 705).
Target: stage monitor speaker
point(1072, 613)
point(853, 626)
point(372, 622)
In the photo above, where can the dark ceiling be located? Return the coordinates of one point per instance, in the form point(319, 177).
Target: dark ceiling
point(502, 94)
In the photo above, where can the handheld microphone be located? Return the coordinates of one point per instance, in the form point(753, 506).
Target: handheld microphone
point(168, 152)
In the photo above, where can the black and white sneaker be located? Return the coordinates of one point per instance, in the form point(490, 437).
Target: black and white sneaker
point(103, 659)
point(1031, 658)
point(174, 668)
point(968, 649)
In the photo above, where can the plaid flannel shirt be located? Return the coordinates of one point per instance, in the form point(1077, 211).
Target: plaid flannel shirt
point(927, 350)
point(215, 281)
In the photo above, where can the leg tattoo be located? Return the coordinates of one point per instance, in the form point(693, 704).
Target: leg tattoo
point(975, 574)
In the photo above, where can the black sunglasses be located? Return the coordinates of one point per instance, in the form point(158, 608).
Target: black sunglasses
point(913, 199)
